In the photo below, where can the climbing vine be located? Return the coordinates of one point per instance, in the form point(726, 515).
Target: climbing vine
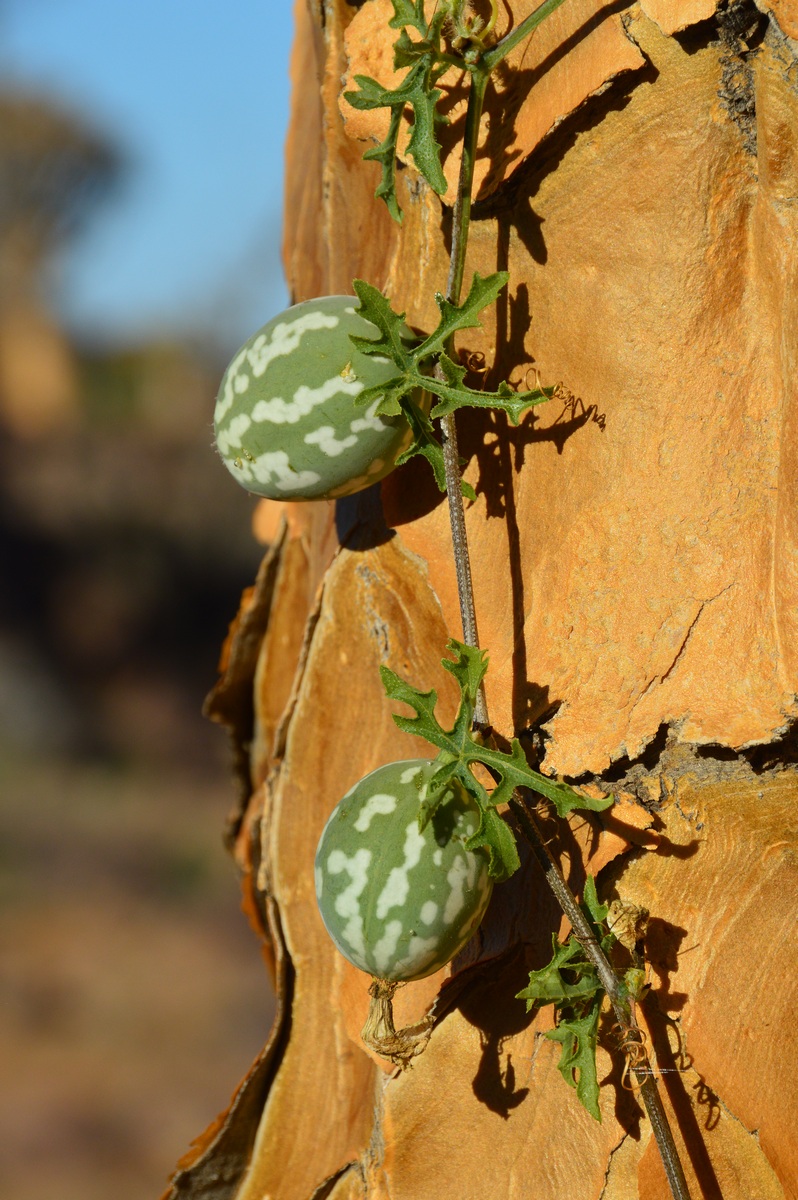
point(580, 974)
point(379, 379)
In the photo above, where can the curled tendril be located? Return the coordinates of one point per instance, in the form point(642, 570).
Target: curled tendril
point(474, 362)
point(633, 1044)
point(535, 373)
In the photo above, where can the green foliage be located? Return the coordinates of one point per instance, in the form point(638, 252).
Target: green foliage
point(570, 982)
point(427, 62)
point(413, 367)
point(417, 91)
point(460, 748)
point(578, 1037)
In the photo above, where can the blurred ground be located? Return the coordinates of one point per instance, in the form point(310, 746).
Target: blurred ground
point(132, 993)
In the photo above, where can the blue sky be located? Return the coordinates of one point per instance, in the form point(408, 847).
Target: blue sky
point(196, 95)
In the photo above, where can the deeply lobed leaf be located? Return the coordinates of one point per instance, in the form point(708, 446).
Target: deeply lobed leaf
point(408, 12)
point(483, 292)
point(459, 745)
point(426, 62)
point(375, 307)
point(550, 986)
point(413, 361)
point(570, 982)
point(469, 667)
point(578, 1037)
point(453, 394)
point(385, 155)
point(418, 91)
point(424, 442)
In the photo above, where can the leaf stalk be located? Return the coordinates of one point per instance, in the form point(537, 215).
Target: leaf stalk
point(491, 58)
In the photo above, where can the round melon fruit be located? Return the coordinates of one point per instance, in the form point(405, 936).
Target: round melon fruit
point(286, 422)
point(400, 902)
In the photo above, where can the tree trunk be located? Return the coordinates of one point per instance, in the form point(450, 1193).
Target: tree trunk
point(635, 561)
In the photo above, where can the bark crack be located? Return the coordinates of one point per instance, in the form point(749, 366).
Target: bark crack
point(611, 1156)
point(323, 1191)
point(660, 677)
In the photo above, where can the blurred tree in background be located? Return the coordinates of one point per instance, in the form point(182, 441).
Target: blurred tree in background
point(115, 536)
point(53, 171)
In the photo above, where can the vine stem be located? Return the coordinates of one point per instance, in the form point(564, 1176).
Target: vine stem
point(461, 218)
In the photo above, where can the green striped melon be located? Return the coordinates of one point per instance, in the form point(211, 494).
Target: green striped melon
point(286, 422)
point(400, 902)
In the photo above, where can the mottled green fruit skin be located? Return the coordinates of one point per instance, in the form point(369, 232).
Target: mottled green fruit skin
point(398, 902)
point(286, 422)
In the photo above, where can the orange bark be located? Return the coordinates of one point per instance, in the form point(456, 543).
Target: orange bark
point(635, 557)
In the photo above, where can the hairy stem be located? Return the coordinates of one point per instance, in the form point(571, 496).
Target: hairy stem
point(462, 561)
point(460, 224)
point(461, 216)
point(629, 1028)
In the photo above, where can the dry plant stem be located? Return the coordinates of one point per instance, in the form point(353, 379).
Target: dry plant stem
point(461, 214)
point(582, 931)
point(399, 1046)
point(462, 561)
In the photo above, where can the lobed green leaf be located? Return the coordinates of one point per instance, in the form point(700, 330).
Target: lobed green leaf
point(425, 723)
point(497, 838)
point(375, 307)
point(424, 442)
point(578, 1037)
point(454, 394)
point(570, 981)
point(408, 12)
point(550, 986)
point(426, 61)
point(436, 789)
point(423, 146)
point(413, 368)
point(389, 396)
point(385, 155)
point(469, 667)
point(418, 91)
point(407, 52)
point(460, 745)
point(483, 292)
point(596, 911)
point(516, 772)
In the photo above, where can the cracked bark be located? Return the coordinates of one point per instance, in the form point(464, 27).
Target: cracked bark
point(652, 261)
